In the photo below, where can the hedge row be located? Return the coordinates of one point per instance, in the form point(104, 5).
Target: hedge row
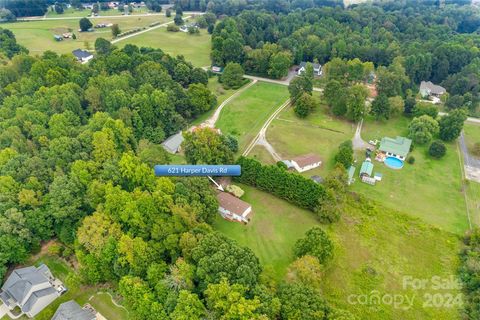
point(292, 187)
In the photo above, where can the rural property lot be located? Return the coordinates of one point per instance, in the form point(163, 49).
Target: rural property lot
point(195, 48)
point(37, 35)
point(245, 115)
point(429, 189)
point(374, 249)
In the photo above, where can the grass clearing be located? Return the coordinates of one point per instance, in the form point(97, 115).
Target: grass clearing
point(245, 115)
point(195, 48)
point(430, 189)
point(375, 248)
point(319, 133)
point(37, 35)
point(472, 134)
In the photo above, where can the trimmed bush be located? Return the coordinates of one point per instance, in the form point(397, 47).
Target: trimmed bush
point(437, 149)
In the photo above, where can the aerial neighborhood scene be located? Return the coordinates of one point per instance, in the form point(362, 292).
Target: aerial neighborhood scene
point(240, 160)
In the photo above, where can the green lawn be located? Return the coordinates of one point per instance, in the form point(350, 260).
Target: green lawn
point(81, 294)
point(244, 116)
point(374, 249)
point(222, 94)
point(319, 133)
point(472, 134)
point(195, 48)
point(430, 189)
point(37, 36)
point(274, 228)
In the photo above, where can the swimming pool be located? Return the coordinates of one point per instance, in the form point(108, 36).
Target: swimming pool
point(393, 163)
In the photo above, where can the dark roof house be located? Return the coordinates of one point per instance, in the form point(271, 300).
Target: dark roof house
point(317, 68)
point(82, 55)
point(71, 310)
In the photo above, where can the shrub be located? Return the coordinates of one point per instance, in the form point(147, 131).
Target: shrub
point(437, 149)
point(315, 243)
point(173, 28)
point(411, 159)
point(54, 249)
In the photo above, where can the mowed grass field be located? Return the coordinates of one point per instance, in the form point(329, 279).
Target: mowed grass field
point(319, 133)
point(37, 35)
point(195, 48)
point(430, 189)
point(245, 115)
point(95, 296)
point(375, 248)
point(472, 189)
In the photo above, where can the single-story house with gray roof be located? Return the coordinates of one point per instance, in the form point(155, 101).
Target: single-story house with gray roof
point(31, 289)
point(428, 89)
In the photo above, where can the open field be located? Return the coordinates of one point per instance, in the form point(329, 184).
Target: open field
point(374, 249)
point(222, 94)
point(95, 296)
point(472, 134)
point(319, 133)
point(274, 228)
point(430, 189)
point(244, 116)
point(37, 35)
point(195, 48)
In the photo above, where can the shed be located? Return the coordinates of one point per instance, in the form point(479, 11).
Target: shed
point(317, 179)
point(366, 169)
point(351, 173)
point(173, 143)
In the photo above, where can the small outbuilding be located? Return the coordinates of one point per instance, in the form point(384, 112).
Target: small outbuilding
point(306, 162)
point(351, 174)
point(82, 56)
point(367, 169)
point(317, 179)
point(232, 208)
point(173, 143)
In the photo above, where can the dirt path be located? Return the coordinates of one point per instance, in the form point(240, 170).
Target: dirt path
point(261, 139)
point(210, 123)
point(146, 30)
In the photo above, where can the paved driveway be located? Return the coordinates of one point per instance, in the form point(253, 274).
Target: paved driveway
point(3, 310)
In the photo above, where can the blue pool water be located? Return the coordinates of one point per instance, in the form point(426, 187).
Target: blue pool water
point(393, 163)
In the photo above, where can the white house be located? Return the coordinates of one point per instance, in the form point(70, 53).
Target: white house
point(232, 208)
point(31, 289)
point(317, 68)
point(306, 162)
point(82, 56)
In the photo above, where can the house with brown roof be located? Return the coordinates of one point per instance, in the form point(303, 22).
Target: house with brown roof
point(232, 208)
point(306, 162)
